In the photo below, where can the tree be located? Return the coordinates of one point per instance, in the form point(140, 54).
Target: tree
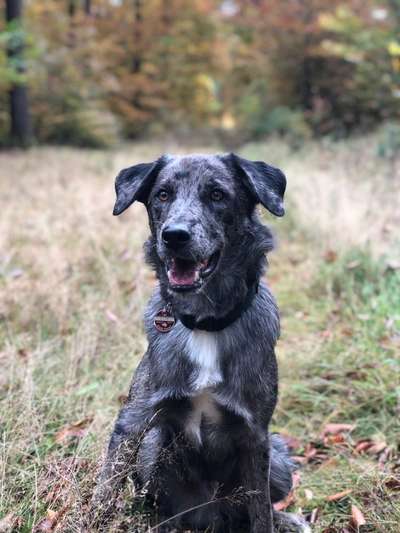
point(21, 129)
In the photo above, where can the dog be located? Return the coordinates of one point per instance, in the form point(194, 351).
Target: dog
point(194, 430)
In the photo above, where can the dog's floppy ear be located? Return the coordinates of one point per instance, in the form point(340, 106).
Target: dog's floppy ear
point(266, 183)
point(134, 183)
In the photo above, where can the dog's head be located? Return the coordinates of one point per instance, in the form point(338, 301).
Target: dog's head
point(206, 238)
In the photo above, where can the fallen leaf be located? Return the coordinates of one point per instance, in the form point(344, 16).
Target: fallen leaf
point(330, 256)
point(334, 429)
point(363, 445)
point(122, 399)
point(338, 495)
point(347, 332)
point(357, 518)
point(310, 451)
point(111, 316)
point(337, 438)
point(284, 504)
point(353, 264)
point(290, 498)
point(393, 483)
point(308, 494)
point(49, 524)
point(23, 353)
point(300, 459)
point(10, 522)
point(291, 442)
point(376, 448)
point(78, 430)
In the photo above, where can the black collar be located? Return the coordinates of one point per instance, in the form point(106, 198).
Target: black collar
point(217, 324)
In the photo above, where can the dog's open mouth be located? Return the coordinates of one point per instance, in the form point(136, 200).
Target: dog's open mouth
point(184, 274)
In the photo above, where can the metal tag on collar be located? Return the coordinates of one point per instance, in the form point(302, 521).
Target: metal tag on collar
point(164, 320)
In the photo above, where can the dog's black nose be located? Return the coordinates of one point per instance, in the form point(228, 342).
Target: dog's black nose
point(175, 236)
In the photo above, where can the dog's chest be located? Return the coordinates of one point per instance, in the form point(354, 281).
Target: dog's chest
point(202, 349)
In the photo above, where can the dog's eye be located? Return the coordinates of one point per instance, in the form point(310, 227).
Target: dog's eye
point(217, 195)
point(163, 196)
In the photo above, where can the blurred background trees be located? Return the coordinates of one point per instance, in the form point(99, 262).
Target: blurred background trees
point(100, 70)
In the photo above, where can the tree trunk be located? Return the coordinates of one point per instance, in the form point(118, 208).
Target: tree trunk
point(21, 128)
point(87, 7)
point(137, 34)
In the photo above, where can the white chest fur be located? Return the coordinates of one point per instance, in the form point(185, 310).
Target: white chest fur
point(202, 350)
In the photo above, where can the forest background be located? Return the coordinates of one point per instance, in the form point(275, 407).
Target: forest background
point(93, 72)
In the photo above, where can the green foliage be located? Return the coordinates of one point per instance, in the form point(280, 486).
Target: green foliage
point(284, 122)
point(389, 140)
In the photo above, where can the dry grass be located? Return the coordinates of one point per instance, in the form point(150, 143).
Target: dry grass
point(72, 290)
point(342, 193)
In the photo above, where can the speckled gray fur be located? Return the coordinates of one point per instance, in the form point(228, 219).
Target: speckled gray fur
point(236, 468)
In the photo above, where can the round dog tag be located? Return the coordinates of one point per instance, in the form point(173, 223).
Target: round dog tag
point(164, 320)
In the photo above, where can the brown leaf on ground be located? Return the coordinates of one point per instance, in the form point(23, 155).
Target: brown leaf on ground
point(122, 399)
point(23, 354)
point(330, 256)
point(284, 504)
point(111, 316)
point(372, 447)
point(334, 440)
point(290, 498)
point(338, 495)
point(334, 429)
point(49, 523)
point(293, 443)
point(363, 445)
point(357, 518)
point(10, 522)
point(310, 451)
point(376, 448)
point(300, 459)
point(392, 483)
point(78, 430)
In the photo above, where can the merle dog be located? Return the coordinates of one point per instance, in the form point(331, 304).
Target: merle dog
point(194, 430)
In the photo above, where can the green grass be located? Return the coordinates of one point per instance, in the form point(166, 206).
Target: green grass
point(72, 291)
point(350, 309)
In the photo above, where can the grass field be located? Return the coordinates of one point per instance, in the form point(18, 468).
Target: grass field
point(73, 286)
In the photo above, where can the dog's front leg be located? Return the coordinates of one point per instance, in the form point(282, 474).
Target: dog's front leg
point(255, 465)
point(132, 424)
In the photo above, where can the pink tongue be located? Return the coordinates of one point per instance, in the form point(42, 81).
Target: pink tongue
point(179, 276)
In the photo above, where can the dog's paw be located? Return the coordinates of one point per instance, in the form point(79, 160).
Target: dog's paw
point(290, 523)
